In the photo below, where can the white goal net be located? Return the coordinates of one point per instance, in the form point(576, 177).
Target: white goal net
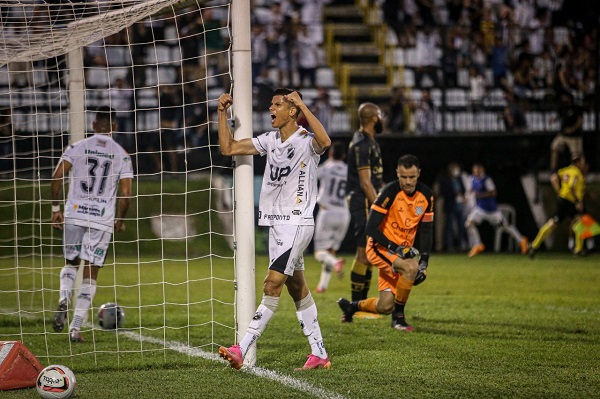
point(161, 65)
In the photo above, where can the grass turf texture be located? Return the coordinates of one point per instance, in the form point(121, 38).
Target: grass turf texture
point(487, 327)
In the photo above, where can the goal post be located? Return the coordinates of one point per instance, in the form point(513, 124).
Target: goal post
point(172, 270)
point(243, 170)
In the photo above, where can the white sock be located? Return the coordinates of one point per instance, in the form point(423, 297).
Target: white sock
point(473, 234)
point(309, 322)
point(325, 277)
point(68, 274)
point(515, 233)
point(263, 315)
point(84, 300)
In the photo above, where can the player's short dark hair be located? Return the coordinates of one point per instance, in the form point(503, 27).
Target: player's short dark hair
point(338, 149)
point(106, 114)
point(284, 91)
point(408, 161)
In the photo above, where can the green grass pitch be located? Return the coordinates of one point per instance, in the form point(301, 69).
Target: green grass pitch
point(494, 326)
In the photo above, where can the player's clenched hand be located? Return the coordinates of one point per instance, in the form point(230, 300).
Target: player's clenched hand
point(57, 220)
point(119, 225)
point(406, 252)
point(225, 102)
point(294, 98)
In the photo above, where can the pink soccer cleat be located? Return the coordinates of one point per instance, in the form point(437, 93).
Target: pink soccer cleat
point(233, 355)
point(315, 362)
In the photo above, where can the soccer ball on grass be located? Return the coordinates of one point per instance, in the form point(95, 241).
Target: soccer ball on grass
point(111, 316)
point(56, 382)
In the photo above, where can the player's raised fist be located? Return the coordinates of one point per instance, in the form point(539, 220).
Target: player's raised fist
point(225, 102)
point(294, 98)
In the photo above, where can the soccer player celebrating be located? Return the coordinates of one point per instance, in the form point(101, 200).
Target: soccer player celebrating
point(569, 185)
point(365, 178)
point(404, 207)
point(287, 200)
point(99, 168)
point(333, 217)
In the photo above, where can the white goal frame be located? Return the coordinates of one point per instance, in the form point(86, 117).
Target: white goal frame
point(243, 176)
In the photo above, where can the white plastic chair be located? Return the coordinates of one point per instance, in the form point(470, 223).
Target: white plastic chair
point(511, 219)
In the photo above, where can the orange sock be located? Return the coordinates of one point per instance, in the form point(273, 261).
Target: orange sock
point(368, 305)
point(403, 288)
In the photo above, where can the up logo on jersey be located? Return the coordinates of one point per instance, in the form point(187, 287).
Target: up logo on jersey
point(278, 173)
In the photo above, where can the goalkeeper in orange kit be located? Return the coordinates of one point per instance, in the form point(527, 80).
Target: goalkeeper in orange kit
point(404, 207)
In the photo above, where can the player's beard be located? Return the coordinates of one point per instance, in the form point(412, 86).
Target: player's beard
point(378, 127)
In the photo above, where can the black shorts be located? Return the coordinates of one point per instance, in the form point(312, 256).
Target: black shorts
point(564, 208)
point(359, 210)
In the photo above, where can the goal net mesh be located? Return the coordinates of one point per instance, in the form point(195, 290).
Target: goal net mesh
point(161, 64)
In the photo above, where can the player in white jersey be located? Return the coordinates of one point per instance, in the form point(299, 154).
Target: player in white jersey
point(333, 218)
point(99, 168)
point(287, 199)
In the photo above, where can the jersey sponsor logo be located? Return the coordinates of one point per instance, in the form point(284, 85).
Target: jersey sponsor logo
point(99, 154)
point(278, 173)
point(296, 212)
point(267, 216)
point(89, 210)
point(301, 191)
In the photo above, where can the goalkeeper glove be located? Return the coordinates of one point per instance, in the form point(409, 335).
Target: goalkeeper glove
point(422, 273)
point(404, 252)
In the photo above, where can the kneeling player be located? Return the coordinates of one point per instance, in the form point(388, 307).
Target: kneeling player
point(403, 207)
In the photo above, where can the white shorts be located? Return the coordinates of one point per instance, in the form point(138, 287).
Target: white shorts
point(331, 228)
point(287, 244)
point(478, 215)
point(86, 243)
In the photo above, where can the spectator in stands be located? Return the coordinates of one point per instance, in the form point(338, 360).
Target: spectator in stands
point(195, 122)
point(425, 115)
point(397, 111)
point(427, 58)
point(427, 11)
point(215, 45)
point(170, 110)
point(120, 99)
point(543, 70)
point(311, 15)
point(307, 56)
point(571, 131)
point(523, 78)
point(452, 190)
point(139, 36)
point(513, 114)
point(451, 58)
point(477, 89)
point(260, 54)
point(323, 109)
point(499, 63)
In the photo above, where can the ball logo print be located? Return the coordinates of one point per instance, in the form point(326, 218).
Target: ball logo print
point(111, 316)
point(56, 382)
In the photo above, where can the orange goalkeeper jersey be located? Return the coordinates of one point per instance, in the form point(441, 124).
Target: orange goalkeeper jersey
point(403, 213)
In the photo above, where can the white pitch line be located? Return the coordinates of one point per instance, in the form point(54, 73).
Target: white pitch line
point(257, 371)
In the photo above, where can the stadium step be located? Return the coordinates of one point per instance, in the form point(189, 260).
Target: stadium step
point(355, 42)
point(349, 32)
point(341, 13)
